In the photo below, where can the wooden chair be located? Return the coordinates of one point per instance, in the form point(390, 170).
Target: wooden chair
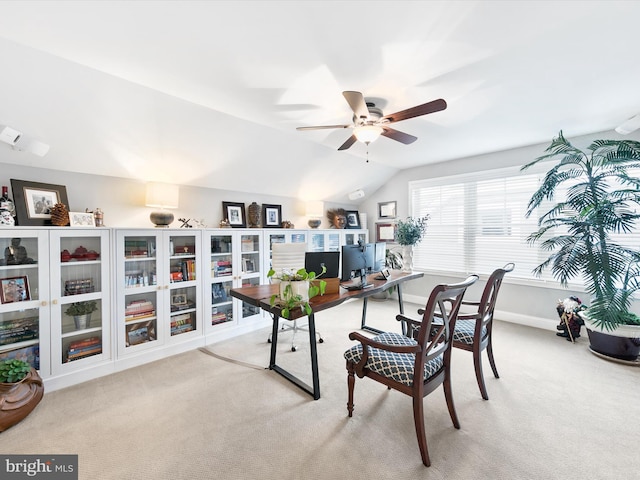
point(473, 330)
point(395, 360)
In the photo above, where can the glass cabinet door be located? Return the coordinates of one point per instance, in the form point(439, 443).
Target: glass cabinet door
point(221, 280)
point(250, 268)
point(80, 315)
point(24, 298)
point(138, 295)
point(184, 271)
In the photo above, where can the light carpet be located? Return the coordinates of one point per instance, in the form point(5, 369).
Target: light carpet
point(557, 412)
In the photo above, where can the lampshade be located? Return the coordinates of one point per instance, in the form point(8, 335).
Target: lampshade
point(367, 133)
point(162, 195)
point(315, 212)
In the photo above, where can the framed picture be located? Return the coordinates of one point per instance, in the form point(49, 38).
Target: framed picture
point(34, 200)
point(82, 219)
point(14, 289)
point(179, 299)
point(271, 216)
point(234, 212)
point(387, 209)
point(353, 219)
point(385, 232)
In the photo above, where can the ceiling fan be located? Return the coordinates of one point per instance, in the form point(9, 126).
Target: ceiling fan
point(369, 122)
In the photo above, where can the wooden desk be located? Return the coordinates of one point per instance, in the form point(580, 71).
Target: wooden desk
point(260, 295)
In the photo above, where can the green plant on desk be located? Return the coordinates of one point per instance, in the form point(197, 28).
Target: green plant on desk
point(296, 290)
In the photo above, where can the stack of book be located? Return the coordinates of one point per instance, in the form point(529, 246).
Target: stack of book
point(221, 268)
point(181, 323)
point(84, 348)
point(139, 309)
point(19, 330)
point(220, 317)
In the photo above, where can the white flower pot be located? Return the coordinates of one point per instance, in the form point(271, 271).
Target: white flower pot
point(296, 288)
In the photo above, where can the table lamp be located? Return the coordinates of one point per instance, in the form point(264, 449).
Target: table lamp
point(315, 212)
point(162, 196)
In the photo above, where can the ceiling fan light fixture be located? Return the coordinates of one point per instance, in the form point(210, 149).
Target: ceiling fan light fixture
point(367, 133)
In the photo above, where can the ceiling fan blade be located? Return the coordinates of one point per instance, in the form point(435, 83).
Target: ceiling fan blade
point(425, 108)
point(398, 136)
point(322, 127)
point(357, 104)
point(350, 141)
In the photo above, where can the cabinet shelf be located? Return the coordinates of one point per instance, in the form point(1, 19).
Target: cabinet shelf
point(20, 266)
point(17, 345)
point(84, 331)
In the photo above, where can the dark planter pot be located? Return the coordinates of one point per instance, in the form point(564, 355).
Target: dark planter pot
point(17, 400)
point(613, 346)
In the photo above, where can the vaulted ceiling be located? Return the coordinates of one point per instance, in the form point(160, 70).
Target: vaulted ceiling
point(209, 93)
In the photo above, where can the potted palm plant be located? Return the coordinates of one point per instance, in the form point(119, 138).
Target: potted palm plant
point(602, 199)
point(296, 288)
point(409, 233)
point(21, 389)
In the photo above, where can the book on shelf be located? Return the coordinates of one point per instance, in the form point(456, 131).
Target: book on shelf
point(19, 330)
point(84, 348)
point(84, 343)
point(139, 309)
point(29, 354)
point(188, 270)
point(219, 317)
point(221, 268)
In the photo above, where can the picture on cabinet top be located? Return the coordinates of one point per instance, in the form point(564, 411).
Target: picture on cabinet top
point(34, 201)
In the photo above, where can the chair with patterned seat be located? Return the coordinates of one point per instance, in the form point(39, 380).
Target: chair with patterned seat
point(473, 331)
point(396, 360)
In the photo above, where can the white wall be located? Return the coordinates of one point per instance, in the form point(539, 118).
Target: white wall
point(122, 200)
point(517, 302)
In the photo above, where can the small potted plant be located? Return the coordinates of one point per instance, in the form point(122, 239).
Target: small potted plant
point(81, 312)
point(296, 288)
point(21, 389)
point(409, 233)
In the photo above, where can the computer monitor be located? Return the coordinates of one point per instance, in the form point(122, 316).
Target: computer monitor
point(357, 261)
point(314, 261)
point(380, 256)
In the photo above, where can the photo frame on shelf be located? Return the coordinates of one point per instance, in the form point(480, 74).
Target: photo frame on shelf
point(271, 216)
point(385, 232)
point(179, 299)
point(81, 219)
point(235, 214)
point(33, 201)
point(387, 209)
point(14, 289)
point(353, 219)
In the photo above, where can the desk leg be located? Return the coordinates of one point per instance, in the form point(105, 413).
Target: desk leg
point(274, 340)
point(313, 391)
point(401, 306)
point(363, 324)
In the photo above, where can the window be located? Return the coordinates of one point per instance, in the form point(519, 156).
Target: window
point(478, 223)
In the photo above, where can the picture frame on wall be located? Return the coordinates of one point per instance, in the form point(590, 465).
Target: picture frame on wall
point(271, 216)
point(34, 200)
point(387, 209)
point(235, 214)
point(385, 232)
point(14, 289)
point(353, 219)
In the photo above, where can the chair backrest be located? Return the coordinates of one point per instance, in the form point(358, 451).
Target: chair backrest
point(487, 304)
point(443, 306)
point(288, 256)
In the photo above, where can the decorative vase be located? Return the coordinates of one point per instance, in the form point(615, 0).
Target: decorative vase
point(17, 400)
point(621, 344)
point(300, 287)
point(82, 321)
point(254, 215)
point(407, 258)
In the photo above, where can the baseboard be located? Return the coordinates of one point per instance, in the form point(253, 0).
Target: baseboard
point(511, 317)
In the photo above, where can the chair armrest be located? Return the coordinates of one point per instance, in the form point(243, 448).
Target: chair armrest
point(475, 304)
point(469, 316)
point(366, 341)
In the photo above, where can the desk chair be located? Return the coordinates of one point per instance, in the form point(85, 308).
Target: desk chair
point(473, 330)
point(289, 257)
point(396, 360)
